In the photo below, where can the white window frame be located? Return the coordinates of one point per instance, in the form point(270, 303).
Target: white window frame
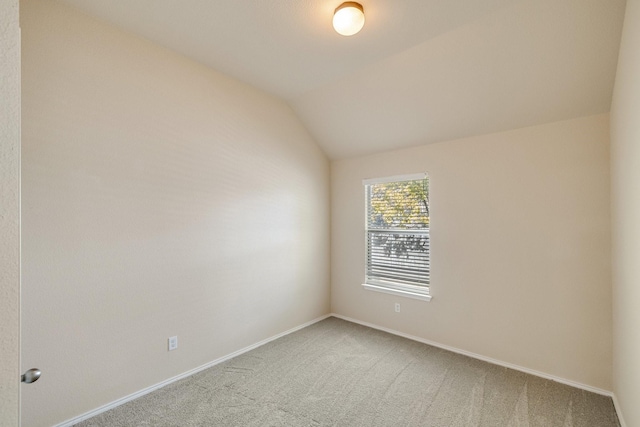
point(388, 287)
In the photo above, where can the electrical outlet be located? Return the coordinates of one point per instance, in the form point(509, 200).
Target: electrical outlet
point(173, 343)
point(397, 307)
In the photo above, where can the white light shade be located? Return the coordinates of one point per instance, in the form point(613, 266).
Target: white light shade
point(348, 18)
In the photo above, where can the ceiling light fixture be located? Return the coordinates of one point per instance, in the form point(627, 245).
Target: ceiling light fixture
point(348, 18)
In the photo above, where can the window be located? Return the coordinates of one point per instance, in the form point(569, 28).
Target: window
point(397, 229)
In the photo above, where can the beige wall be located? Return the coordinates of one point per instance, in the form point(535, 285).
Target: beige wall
point(9, 213)
point(160, 198)
point(625, 198)
point(520, 232)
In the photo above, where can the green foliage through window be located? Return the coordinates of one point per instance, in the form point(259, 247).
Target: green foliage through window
point(402, 204)
point(398, 232)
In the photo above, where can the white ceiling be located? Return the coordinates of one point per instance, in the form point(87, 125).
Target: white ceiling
point(421, 71)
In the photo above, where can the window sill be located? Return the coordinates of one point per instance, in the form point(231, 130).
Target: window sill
point(399, 292)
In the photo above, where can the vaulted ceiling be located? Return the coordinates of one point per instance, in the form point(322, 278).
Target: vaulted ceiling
point(421, 71)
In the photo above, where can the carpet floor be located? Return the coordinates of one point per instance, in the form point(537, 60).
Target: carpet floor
point(337, 373)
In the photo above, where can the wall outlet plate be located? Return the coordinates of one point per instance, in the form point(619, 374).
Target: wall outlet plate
point(173, 343)
point(397, 307)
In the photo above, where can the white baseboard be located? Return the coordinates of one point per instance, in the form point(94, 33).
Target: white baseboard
point(618, 410)
point(148, 390)
point(480, 357)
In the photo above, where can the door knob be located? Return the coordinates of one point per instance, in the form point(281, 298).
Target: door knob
point(31, 376)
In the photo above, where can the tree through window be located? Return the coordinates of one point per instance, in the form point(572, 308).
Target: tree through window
point(397, 225)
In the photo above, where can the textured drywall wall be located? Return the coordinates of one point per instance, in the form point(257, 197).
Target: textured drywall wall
point(625, 215)
point(9, 213)
point(520, 247)
point(160, 198)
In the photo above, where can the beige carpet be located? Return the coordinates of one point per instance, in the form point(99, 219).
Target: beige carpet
point(336, 373)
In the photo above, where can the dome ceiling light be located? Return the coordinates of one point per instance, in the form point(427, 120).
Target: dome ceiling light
point(348, 18)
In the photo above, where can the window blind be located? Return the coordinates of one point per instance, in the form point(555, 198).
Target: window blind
point(397, 224)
